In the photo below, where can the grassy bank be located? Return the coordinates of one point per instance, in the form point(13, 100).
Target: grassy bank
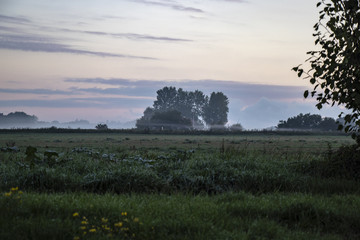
point(181, 216)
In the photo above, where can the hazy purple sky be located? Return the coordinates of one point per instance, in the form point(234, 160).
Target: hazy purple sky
point(104, 60)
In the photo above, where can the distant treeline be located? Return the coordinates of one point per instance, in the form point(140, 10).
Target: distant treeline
point(23, 120)
point(309, 122)
point(163, 122)
point(18, 119)
point(226, 131)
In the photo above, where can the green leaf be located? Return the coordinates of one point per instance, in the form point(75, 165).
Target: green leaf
point(347, 128)
point(306, 94)
point(300, 72)
point(319, 106)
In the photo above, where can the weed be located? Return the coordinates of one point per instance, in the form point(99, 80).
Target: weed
point(125, 228)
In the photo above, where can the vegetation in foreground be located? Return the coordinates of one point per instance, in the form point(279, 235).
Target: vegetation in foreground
point(206, 188)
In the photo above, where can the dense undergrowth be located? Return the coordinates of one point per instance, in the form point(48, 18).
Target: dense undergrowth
point(83, 169)
point(221, 193)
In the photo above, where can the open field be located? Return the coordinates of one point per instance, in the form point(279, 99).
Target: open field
point(310, 143)
point(143, 186)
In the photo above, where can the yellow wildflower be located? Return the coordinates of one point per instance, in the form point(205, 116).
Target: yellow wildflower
point(92, 230)
point(119, 224)
point(8, 194)
point(104, 220)
point(20, 192)
point(136, 219)
point(14, 189)
point(82, 227)
point(124, 214)
point(105, 227)
point(84, 222)
point(76, 238)
point(76, 214)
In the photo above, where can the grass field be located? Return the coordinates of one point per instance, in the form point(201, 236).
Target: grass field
point(134, 186)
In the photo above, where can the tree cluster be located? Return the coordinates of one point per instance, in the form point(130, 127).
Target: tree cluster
point(102, 126)
point(309, 122)
point(179, 109)
point(17, 119)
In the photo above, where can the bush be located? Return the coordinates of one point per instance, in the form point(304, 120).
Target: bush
point(101, 126)
point(346, 162)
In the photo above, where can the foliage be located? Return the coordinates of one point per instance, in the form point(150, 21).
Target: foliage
point(189, 104)
point(17, 118)
point(165, 120)
point(179, 216)
point(237, 127)
point(31, 156)
point(188, 192)
point(309, 121)
point(101, 126)
point(335, 68)
point(194, 106)
point(172, 118)
point(215, 113)
point(163, 171)
point(125, 228)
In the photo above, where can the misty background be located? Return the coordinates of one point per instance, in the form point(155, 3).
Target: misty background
point(103, 61)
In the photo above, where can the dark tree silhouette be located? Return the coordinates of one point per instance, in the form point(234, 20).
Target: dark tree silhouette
point(102, 126)
point(189, 104)
point(166, 99)
point(309, 122)
point(185, 106)
point(171, 119)
point(165, 120)
point(18, 119)
point(335, 68)
point(216, 111)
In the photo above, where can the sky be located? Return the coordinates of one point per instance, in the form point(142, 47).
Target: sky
point(105, 60)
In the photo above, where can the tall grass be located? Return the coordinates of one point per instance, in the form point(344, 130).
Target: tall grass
point(224, 191)
point(178, 216)
point(168, 172)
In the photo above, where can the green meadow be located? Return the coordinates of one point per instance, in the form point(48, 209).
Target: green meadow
point(108, 185)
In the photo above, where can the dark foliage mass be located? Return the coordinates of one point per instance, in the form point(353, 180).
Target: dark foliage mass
point(17, 118)
point(335, 68)
point(309, 122)
point(102, 126)
point(188, 171)
point(179, 109)
point(215, 113)
point(23, 120)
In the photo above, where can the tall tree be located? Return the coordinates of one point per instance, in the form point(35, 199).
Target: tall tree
point(335, 68)
point(198, 101)
point(166, 99)
point(217, 109)
point(189, 104)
